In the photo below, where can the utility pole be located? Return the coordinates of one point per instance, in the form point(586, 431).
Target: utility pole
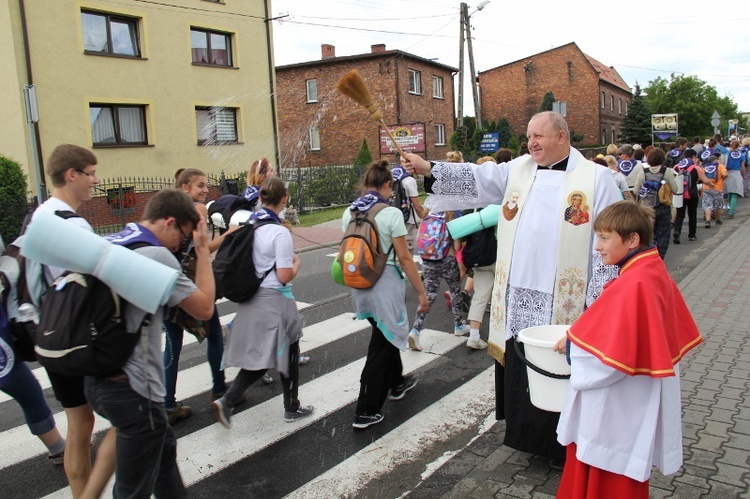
point(460, 121)
point(466, 35)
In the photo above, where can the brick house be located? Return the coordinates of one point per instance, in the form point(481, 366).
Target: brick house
point(595, 97)
point(320, 126)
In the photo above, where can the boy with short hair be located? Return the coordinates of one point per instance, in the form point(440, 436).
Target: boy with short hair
point(133, 400)
point(623, 413)
point(73, 172)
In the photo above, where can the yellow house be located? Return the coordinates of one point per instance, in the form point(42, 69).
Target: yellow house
point(149, 86)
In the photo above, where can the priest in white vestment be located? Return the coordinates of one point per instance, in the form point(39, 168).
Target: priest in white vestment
point(546, 267)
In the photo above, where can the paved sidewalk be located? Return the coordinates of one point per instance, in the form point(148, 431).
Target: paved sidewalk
point(317, 236)
point(716, 404)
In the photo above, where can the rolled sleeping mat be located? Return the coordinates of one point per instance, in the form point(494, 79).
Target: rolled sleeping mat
point(474, 222)
point(145, 283)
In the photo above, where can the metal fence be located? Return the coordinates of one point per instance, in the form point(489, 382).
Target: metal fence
point(122, 200)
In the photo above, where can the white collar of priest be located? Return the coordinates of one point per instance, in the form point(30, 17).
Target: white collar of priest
point(560, 166)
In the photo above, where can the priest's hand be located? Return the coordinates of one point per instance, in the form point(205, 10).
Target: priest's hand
point(414, 164)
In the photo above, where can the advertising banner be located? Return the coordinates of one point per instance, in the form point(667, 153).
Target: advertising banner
point(410, 137)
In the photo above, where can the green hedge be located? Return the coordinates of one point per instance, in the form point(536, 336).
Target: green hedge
point(13, 201)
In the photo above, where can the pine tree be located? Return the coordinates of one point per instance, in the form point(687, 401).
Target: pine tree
point(549, 99)
point(503, 128)
point(364, 158)
point(636, 127)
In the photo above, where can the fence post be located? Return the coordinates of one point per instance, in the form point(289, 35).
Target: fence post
point(222, 183)
point(121, 195)
point(300, 208)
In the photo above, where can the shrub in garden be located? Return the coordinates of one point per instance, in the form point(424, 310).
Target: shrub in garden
point(13, 203)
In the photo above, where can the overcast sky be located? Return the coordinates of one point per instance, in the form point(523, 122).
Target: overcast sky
point(642, 43)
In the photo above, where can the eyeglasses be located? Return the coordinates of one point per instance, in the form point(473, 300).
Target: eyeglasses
point(87, 173)
point(183, 237)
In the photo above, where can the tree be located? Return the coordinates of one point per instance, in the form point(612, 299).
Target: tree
point(13, 190)
point(503, 128)
point(461, 138)
point(549, 99)
point(693, 100)
point(636, 127)
point(364, 158)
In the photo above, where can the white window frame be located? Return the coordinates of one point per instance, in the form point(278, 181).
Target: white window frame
point(439, 134)
point(415, 82)
point(619, 105)
point(611, 102)
point(437, 87)
point(314, 138)
point(312, 90)
point(216, 125)
point(604, 100)
point(626, 107)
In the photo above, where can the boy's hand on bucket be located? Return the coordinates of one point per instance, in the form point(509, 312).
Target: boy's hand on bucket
point(561, 346)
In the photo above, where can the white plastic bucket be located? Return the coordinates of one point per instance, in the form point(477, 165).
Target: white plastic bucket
point(546, 393)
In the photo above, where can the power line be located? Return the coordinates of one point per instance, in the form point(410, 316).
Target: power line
point(367, 30)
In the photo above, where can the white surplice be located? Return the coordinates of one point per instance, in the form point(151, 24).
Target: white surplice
point(633, 422)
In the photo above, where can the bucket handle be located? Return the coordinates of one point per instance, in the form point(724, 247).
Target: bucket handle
point(534, 367)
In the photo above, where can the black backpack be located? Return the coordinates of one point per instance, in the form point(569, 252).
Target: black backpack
point(82, 328)
point(234, 268)
point(481, 248)
point(24, 282)
point(227, 205)
point(401, 200)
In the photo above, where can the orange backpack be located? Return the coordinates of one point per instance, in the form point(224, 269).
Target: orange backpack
point(360, 256)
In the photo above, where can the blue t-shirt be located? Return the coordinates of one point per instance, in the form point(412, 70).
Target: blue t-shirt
point(735, 160)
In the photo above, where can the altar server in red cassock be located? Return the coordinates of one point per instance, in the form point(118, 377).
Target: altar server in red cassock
point(622, 415)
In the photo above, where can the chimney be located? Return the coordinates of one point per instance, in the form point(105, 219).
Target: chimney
point(327, 51)
point(377, 49)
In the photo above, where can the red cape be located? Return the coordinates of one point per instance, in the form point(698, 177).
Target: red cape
point(640, 324)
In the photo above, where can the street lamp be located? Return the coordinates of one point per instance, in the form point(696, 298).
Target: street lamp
point(466, 35)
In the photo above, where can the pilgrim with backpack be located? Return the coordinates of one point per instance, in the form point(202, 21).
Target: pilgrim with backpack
point(438, 252)
point(383, 303)
point(688, 174)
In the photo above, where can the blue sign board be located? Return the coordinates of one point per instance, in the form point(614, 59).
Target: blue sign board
point(490, 142)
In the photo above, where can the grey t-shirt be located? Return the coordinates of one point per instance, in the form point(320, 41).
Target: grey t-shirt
point(145, 369)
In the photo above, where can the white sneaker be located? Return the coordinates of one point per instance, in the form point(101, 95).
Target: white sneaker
point(414, 341)
point(462, 330)
point(478, 344)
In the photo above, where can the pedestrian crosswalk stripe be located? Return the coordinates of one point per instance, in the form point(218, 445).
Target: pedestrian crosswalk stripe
point(198, 459)
point(449, 416)
point(188, 339)
point(214, 448)
point(21, 445)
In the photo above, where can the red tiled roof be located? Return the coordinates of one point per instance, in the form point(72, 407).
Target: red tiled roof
point(608, 74)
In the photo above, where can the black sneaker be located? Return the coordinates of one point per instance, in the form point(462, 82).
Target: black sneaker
point(719, 222)
point(691, 238)
point(399, 392)
point(676, 238)
point(362, 422)
point(302, 412)
point(708, 224)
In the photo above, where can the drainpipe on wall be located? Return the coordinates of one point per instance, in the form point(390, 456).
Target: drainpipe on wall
point(272, 89)
point(36, 144)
